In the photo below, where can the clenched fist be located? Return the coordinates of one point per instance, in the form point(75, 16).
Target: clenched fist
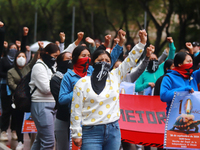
point(25, 31)
point(143, 36)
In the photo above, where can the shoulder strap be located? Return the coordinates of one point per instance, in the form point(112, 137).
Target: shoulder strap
point(19, 73)
point(36, 86)
point(34, 90)
point(46, 67)
point(59, 74)
point(166, 75)
point(42, 64)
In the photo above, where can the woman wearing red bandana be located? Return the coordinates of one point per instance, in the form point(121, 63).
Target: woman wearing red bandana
point(81, 68)
point(181, 78)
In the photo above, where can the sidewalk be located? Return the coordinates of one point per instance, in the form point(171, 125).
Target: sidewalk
point(11, 144)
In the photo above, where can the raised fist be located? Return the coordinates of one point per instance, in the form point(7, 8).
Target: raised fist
point(28, 48)
point(57, 43)
point(167, 50)
point(80, 35)
point(79, 38)
point(18, 43)
point(5, 44)
point(143, 36)
point(1, 24)
point(169, 39)
point(122, 37)
point(62, 37)
point(41, 44)
point(150, 50)
point(89, 40)
point(25, 31)
point(189, 45)
point(107, 40)
point(116, 40)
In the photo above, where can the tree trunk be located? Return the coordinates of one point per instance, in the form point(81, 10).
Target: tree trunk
point(182, 32)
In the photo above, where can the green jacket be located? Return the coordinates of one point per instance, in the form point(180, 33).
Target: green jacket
point(13, 78)
point(146, 77)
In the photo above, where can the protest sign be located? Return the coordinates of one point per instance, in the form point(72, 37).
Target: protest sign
point(182, 126)
point(28, 124)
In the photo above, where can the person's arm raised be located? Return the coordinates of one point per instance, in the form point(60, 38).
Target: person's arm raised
point(79, 39)
point(190, 47)
point(172, 48)
point(134, 75)
point(73, 45)
point(92, 45)
point(62, 41)
point(24, 39)
point(2, 35)
point(106, 43)
point(163, 56)
point(134, 55)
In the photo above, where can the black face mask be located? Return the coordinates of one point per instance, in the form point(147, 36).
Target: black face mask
point(49, 61)
point(152, 66)
point(64, 65)
point(11, 55)
point(99, 76)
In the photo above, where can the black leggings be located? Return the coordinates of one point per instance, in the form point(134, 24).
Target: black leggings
point(19, 123)
point(8, 111)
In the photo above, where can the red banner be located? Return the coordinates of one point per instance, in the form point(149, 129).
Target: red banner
point(142, 120)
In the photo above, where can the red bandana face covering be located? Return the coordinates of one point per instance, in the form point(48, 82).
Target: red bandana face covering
point(185, 70)
point(81, 66)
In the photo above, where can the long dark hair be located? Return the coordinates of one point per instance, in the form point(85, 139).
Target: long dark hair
point(97, 53)
point(61, 57)
point(8, 48)
point(168, 64)
point(76, 53)
point(179, 58)
point(50, 48)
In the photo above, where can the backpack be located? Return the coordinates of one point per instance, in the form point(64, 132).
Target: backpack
point(22, 95)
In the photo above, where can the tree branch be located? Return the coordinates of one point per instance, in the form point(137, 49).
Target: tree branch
point(170, 11)
point(106, 15)
point(146, 8)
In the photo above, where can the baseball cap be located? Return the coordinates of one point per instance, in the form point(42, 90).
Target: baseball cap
point(195, 44)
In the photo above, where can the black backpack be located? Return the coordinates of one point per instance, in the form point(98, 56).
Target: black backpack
point(22, 95)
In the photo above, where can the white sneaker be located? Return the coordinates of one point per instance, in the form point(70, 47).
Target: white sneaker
point(4, 136)
point(138, 147)
point(20, 146)
point(14, 135)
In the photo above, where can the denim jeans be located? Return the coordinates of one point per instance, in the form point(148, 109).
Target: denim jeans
point(101, 137)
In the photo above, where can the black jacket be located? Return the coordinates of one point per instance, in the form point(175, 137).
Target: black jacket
point(62, 110)
point(157, 85)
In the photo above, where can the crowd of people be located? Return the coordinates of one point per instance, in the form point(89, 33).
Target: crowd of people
point(77, 88)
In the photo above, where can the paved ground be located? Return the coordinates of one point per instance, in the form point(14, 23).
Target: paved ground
point(11, 144)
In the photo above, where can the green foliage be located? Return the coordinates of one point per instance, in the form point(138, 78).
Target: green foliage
point(95, 17)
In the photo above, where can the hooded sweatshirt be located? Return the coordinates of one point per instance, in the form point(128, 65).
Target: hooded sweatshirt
point(174, 82)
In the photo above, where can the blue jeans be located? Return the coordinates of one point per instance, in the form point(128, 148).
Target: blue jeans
point(101, 137)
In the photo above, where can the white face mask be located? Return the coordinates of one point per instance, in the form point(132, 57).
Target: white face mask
point(21, 61)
